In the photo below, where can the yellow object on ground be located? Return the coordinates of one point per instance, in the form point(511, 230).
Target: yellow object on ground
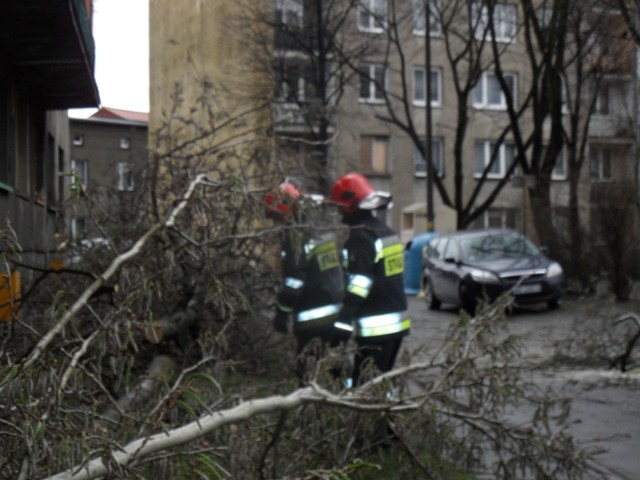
point(9, 295)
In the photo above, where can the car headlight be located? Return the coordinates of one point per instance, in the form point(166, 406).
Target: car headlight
point(554, 270)
point(483, 276)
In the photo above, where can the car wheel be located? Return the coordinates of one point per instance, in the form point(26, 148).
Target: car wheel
point(466, 299)
point(553, 304)
point(433, 301)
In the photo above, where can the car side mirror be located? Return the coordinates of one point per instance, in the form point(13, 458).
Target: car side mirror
point(545, 250)
point(450, 260)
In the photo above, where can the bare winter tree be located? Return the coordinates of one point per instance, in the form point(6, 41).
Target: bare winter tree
point(466, 45)
point(296, 42)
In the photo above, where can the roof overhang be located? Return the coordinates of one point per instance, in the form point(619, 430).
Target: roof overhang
point(48, 48)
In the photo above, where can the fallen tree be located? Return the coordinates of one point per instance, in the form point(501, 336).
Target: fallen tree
point(179, 374)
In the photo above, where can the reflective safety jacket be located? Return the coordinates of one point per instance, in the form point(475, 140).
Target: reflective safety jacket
point(313, 282)
point(375, 303)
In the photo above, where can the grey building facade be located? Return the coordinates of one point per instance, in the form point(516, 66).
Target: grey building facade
point(47, 56)
point(108, 160)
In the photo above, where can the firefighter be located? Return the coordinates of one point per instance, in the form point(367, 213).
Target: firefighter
point(374, 306)
point(312, 286)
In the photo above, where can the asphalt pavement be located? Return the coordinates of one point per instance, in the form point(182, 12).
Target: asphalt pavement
point(605, 403)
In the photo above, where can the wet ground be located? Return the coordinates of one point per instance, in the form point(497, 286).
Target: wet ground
point(605, 412)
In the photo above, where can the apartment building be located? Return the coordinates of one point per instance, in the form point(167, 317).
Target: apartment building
point(108, 162)
point(48, 60)
point(363, 106)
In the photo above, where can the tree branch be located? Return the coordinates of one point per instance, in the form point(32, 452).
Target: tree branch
point(108, 273)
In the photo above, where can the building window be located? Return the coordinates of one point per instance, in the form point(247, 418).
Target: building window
point(125, 143)
point(485, 151)
point(600, 163)
point(564, 96)
point(559, 171)
point(290, 83)
point(488, 94)
point(496, 218)
point(436, 158)
point(373, 82)
point(374, 154)
point(78, 141)
point(420, 87)
point(504, 21)
point(545, 16)
point(602, 100)
point(78, 228)
point(79, 173)
point(372, 15)
point(435, 27)
point(125, 176)
point(289, 12)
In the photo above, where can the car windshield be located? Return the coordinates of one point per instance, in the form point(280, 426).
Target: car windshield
point(494, 246)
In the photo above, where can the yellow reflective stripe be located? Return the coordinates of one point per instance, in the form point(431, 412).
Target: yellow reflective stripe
point(326, 246)
point(393, 264)
point(395, 249)
point(359, 285)
point(385, 330)
point(391, 251)
point(326, 254)
point(384, 324)
point(383, 319)
point(319, 312)
point(328, 259)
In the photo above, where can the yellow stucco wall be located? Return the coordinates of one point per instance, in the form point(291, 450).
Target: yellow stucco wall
point(203, 47)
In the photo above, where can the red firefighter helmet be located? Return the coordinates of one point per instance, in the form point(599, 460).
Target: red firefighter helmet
point(283, 200)
point(353, 191)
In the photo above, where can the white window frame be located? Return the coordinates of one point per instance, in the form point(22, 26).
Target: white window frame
point(483, 93)
point(435, 29)
point(124, 172)
point(375, 91)
point(501, 163)
point(600, 163)
point(125, 143)
point(78, 141)
point(287, 7)
point(505, 21)
point(420, 87)
point(437, 157)
point(80, 170)
point(372, 15)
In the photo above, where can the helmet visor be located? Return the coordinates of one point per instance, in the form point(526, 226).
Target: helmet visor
point(375, 200)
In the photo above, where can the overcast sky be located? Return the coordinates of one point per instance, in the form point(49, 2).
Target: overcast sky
point(121, 34)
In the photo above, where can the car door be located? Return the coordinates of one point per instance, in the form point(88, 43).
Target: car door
point(450, 273)
point(435, 264)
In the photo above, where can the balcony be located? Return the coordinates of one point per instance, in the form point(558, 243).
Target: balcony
point(289, 117)
point(48, 48)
